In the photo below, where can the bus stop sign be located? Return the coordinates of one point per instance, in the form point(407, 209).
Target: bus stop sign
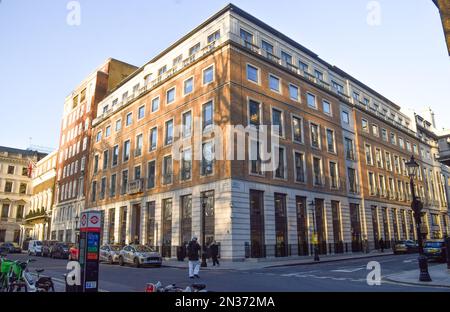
point(90, 231)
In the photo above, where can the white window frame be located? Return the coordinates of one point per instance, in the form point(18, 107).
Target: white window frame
point(213, 76)
point(269, 76)
point(181, 163)
point(283, 126)
point(151, 104)
point(123, 151)
point(371, 154)
point(338, 183)
point(305, 178)
point(164, 170)
point(156, 173)
point(258, 74)
point(184, 85)
point(260, 110)
point(202, 176)
point(315, 100)
point(318, 134)
point(323, 107)
point(126, 119)
point(139, 108)
point(334, 140)
point(174, 88)
point(250, 160)
point(286, 167)
point(165, 132)
point(209, 128)
point(115, 125)
point(298, 99)
point(149, 136)
point(301, 127)
point(182, 125)
point(348, 117)
point(112, 156)
point(322, 176)
point(136, 142)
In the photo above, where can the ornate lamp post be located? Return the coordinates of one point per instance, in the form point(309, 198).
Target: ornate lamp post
point(314, 236)
point(203, 201)
point(417, 207)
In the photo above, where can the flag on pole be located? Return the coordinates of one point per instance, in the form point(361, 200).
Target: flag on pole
point(31, 166)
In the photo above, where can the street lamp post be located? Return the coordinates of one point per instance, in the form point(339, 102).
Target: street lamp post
point(203, 264)
point(417, 207)
point(48, 218)
point(314, 236)
point(77, 218)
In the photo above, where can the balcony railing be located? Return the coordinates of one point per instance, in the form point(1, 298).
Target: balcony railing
point(350, 155)
point(167, 178)
point(163, 76)
point(319, 180)
point(136, 186)
point(354, 189)
point(34, 214)
point(291, 67)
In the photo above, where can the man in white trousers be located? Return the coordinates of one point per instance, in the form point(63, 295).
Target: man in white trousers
point(193, 255)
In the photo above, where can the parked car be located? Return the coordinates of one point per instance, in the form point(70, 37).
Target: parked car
point(73, 253)
point(110, 253)
point(59, 250)
point(139, 255)
point(435, 249)
point(405, 246)
point(35, 247)
point(3, 250)
point(46, 246)
point(12, 247)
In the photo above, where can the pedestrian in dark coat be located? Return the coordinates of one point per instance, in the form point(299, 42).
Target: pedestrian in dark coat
point(193, 251)
point(381, 243)
point(214, 249)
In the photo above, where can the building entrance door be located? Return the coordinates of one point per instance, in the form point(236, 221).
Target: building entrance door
point(256, 224)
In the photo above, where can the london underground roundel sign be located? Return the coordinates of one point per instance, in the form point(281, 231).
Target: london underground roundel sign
point(84, 220)
point(94, 220)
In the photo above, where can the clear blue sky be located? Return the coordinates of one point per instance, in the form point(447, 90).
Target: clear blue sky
point(42, 58)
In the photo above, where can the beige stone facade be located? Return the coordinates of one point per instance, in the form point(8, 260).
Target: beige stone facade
point(37, 217)
point(15, 190)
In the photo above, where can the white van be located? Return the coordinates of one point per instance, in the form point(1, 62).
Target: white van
point(35, 247)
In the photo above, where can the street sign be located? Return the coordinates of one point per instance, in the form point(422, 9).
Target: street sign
point(90, 231)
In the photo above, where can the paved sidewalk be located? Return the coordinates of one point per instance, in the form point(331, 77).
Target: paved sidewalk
point(439, 274)
point(255, 264)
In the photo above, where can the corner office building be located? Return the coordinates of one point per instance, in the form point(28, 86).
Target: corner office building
point(342, 148)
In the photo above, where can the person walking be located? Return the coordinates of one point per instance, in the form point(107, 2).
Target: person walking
point(192, 251)
point(381, 243)
point(214, 248)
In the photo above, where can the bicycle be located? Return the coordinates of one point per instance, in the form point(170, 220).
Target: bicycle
point(21, 279)
point(5, 267)
point(173, 288)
